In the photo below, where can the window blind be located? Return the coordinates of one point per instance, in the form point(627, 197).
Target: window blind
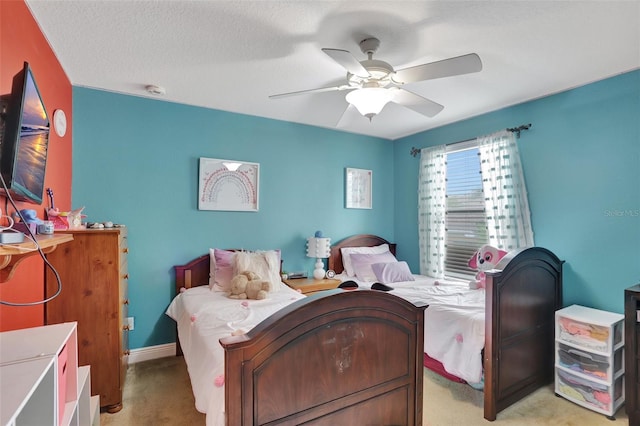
point(465, 217)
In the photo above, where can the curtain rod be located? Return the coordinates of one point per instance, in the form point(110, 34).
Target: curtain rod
point(518, 129)
point(415, 151)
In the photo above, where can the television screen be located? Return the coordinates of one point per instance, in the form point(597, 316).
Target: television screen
point(23, 147)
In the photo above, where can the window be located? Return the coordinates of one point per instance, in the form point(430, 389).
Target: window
point(470, 194)
point(465, 217)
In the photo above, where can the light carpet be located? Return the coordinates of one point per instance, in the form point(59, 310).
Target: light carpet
point(448, 403)
point(158, 392)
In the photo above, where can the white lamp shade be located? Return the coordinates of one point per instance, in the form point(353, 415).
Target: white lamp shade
point(369, 101)
point(319, 248)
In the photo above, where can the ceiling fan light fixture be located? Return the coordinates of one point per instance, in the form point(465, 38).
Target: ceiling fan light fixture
point(373, 83)
point(369, 101)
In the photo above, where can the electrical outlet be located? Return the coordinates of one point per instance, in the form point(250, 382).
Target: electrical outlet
point(130, 323)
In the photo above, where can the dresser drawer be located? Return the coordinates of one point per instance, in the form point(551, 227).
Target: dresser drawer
point(589, 364)
point(591, 394)
point(124, 252)
point(603, 334)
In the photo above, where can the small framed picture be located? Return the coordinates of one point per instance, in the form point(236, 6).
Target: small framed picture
point(357, 188)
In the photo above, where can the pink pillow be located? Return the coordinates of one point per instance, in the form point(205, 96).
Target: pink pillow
point(222, 272)
point(362, 262)
point(392, 272)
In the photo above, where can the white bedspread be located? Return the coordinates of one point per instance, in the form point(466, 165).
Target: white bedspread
point(203, 318)
point(453, 323)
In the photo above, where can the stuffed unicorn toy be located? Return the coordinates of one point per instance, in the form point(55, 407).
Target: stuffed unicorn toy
point(485, 259)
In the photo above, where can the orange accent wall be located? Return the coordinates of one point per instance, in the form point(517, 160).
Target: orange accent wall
point(22, 40)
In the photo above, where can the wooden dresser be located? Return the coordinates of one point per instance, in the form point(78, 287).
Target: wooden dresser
point(632, 356)
point(93, 270)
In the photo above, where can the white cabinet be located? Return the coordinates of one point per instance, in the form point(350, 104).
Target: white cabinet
point(589, 366)
point(40, 381)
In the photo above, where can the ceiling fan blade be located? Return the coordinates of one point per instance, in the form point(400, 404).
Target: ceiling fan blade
point(348, 61)
point(416, 102)
point(464, 64)
point(304, 92)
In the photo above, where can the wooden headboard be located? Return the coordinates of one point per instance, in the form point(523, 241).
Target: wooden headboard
point(193, 274)
point(360, 240)
point(196, 272)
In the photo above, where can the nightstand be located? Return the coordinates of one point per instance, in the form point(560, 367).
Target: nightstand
point(310, 285)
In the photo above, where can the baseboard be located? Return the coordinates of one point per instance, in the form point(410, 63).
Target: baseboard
point(152, 352)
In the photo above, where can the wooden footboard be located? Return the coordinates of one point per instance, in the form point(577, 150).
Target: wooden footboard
point(522, 295)
point(338, 357)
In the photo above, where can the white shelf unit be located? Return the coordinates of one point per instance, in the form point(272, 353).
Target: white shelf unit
point(88, 406)
point(589, 366)
point(40, 381)
point(27, 389)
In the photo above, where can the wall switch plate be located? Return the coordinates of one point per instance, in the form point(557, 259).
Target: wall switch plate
point(130, 323)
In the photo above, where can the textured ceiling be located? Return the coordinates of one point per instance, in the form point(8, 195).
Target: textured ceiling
point(231, 55)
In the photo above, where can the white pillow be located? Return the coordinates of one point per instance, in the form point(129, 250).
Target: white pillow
point(221, 268)
point(347, 251)
point(265, 264)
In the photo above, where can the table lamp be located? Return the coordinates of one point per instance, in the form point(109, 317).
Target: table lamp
point(318, 247)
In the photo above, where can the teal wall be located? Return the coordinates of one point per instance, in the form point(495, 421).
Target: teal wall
point(581, 162)
point(135, 162)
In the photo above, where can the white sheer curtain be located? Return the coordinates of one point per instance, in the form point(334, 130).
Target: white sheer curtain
point(506, 204)
point(432, 189)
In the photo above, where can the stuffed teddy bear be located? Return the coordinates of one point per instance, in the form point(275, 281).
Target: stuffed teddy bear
point(248, 285)
point(485, 259)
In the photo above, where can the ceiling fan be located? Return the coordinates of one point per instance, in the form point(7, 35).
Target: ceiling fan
point(373, 83)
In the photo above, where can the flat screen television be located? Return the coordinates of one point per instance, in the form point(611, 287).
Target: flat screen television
point(25, 140)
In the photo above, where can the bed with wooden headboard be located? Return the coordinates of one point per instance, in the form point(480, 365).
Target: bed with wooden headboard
point(336, 357)
point(522, 295)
